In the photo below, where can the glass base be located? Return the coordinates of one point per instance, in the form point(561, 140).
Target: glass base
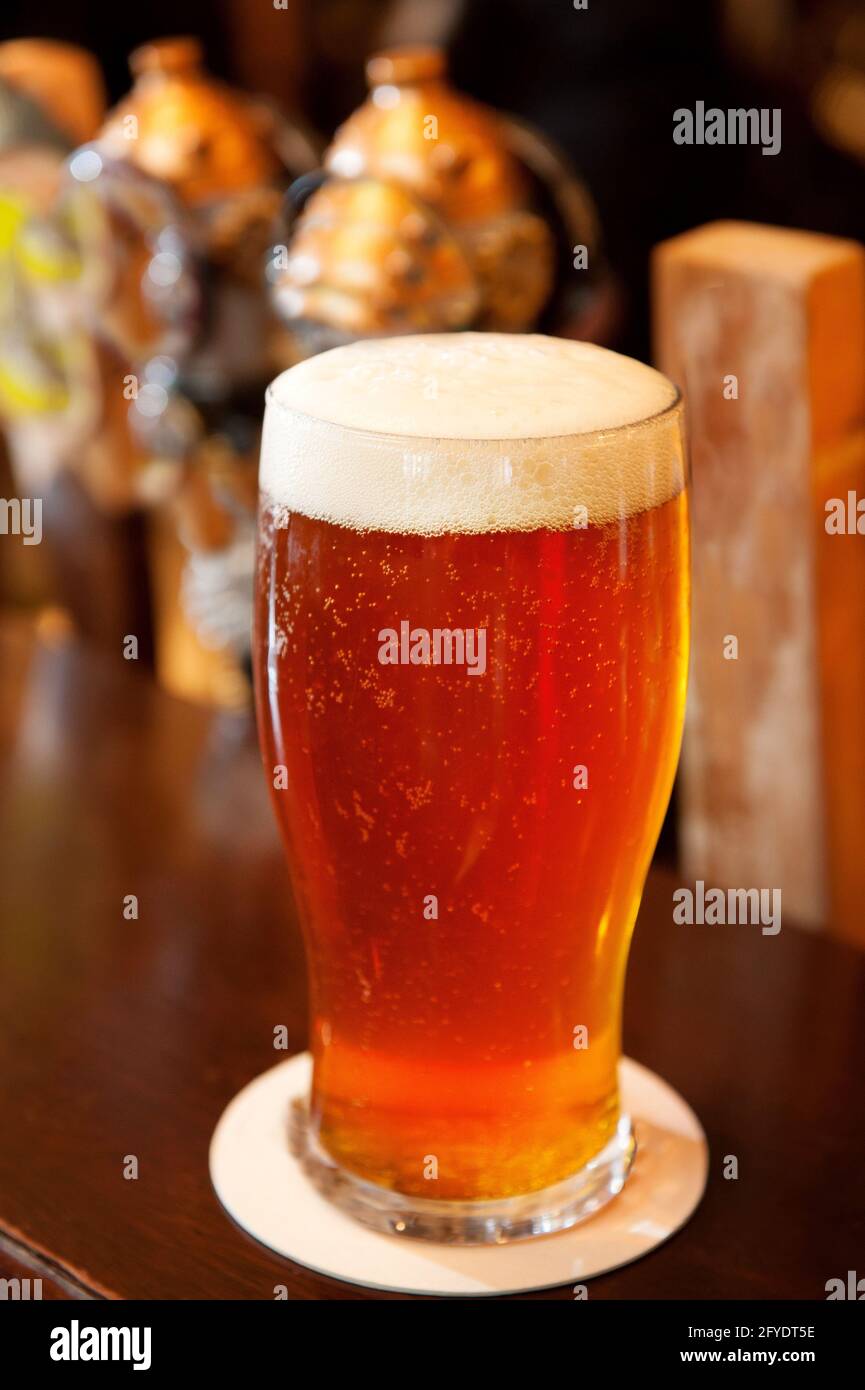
point(540, 1213)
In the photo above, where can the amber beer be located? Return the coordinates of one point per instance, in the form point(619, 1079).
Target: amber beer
point(468, 846)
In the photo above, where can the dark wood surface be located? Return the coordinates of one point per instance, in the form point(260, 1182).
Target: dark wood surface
point(126, 1037)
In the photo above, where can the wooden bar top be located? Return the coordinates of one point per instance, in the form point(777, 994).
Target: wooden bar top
point(124, 1037)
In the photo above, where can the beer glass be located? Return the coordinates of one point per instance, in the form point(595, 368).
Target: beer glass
point(471, 655)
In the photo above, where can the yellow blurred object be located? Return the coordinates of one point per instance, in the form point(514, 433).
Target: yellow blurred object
point(46, 362)
point(137, 337)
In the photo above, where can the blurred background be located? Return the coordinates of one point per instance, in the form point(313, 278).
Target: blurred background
point(174, 232)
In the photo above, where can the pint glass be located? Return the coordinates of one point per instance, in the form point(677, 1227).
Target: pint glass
point(471, 654)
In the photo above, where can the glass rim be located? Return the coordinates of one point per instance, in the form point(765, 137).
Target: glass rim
point(508, 441)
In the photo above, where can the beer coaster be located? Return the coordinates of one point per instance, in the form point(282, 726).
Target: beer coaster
point(262, 1186)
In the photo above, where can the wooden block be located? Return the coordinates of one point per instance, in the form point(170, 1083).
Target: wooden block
point(764, 330)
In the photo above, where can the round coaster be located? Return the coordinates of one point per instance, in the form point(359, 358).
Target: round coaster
point(264, 1189)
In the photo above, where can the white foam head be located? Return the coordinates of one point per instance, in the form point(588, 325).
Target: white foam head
point(469, 432)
